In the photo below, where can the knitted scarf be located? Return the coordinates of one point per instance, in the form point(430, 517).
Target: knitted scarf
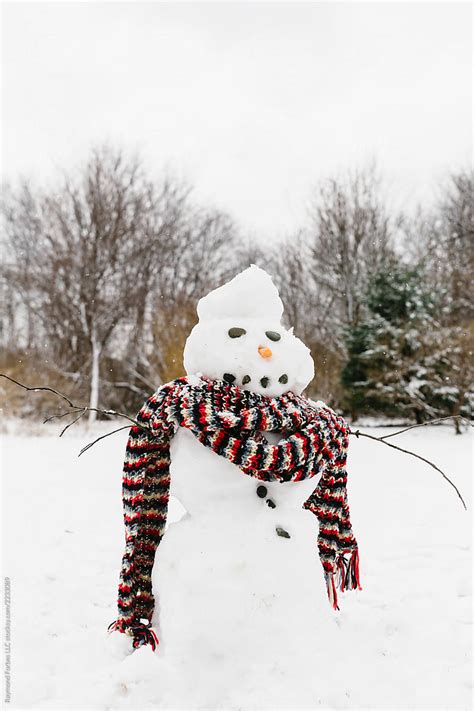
point(230, 421)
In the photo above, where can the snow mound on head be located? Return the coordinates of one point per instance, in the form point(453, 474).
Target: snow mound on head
point(250, 294)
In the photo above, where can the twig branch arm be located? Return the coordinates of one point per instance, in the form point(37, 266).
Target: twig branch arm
point(59, 416)
point(428, 422)
point(91, 444)
point(358, 434)
point(37, 389)
point(74, 409)
point(81, 414)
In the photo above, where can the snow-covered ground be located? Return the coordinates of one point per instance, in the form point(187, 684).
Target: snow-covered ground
point(403, 642)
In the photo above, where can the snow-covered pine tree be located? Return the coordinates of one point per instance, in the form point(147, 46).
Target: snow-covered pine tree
point(397, 364)
point(441, 242)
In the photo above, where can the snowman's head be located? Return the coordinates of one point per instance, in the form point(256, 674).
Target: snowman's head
point(239, 338)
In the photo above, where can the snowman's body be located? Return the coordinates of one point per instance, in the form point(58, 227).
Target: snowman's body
point(223, 578)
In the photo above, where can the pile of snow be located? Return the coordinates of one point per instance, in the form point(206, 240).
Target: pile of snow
point(402, 642)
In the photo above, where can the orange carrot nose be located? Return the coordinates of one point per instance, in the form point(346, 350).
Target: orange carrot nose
point(264, 351)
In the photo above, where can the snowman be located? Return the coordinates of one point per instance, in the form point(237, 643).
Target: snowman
point(238, 570)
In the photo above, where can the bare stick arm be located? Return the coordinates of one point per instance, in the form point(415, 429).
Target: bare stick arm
point(37, 389)
point(428, 422)
point(74, 409)
point(358, 434)
point(91, 444)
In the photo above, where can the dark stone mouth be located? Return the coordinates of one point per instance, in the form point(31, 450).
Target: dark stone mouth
point(264, 382)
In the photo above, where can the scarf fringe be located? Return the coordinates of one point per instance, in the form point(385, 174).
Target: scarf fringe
point(142, 634)
point(345, 577)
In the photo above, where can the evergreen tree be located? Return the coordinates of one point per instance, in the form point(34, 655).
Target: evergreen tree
point(397, 364)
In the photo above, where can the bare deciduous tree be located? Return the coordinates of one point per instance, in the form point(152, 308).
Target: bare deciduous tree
point(108, 268)
point(200, 256)
point(324, 270)
point(78, 256)
point(350, 239)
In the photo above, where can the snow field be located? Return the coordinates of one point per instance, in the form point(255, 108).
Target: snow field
point(402, 642)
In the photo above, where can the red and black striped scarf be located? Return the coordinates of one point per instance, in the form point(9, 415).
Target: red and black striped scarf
point(230, 421)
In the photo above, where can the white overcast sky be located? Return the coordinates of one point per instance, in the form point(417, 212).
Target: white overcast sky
point(250, 102)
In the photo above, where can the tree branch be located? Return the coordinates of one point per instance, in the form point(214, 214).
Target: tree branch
point(428, 422)
point(36, 389)
point(57, 417)
point(91, 444)
point(358, 434)
point(81, 414)
point(74, 409)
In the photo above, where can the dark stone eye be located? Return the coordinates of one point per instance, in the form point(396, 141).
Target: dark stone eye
point(237, 332)
point(246, 379)
point(283, 379)
point(264, 382)
point(261, 491)
point(229, 378)
point(273, 335)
